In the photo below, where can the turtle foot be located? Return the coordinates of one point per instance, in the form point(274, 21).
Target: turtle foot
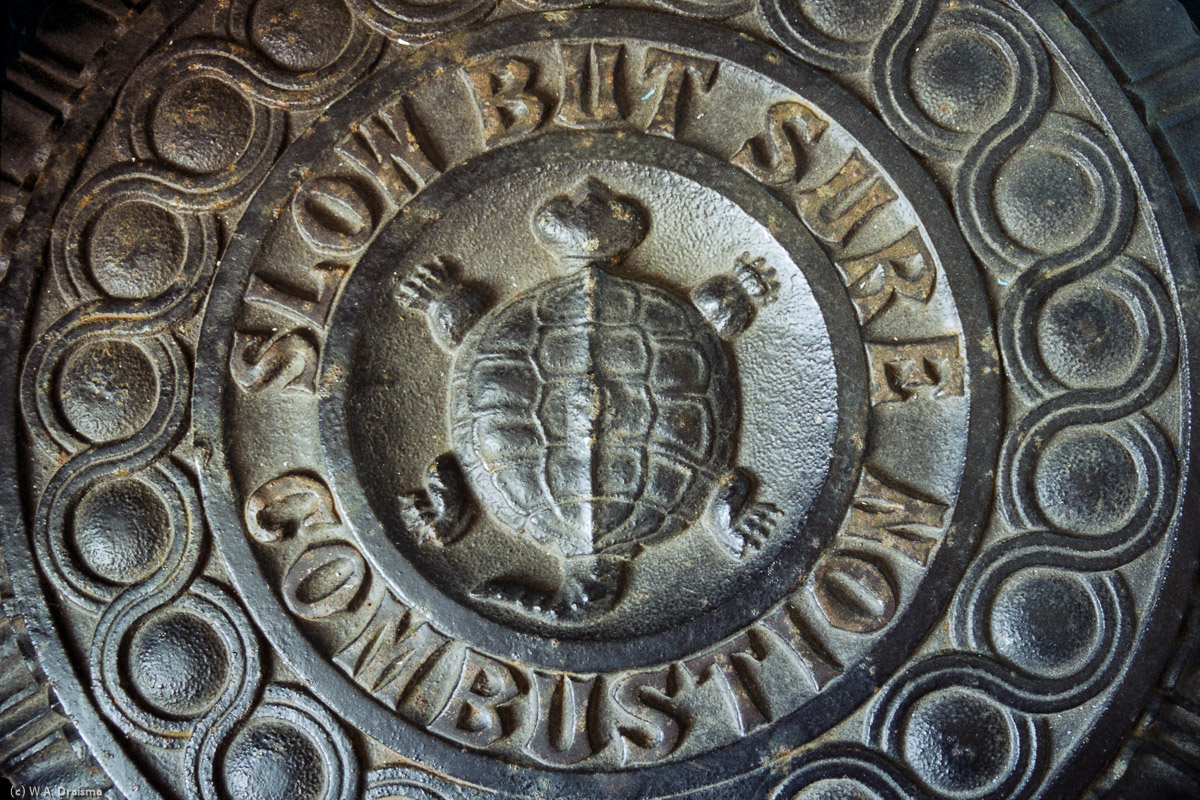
point(451, 307)
point(442, 512)
point(740, 525)
point(752, 529)
point(759, 281)
point(730, 302)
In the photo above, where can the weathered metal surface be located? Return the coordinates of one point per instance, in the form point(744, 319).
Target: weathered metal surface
point(704, 399)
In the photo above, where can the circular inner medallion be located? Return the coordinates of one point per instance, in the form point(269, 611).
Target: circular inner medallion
point(614, 423)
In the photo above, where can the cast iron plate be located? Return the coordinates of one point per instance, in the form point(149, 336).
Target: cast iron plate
point(709, 398)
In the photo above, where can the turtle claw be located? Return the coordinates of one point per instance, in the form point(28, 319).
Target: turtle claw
point(442, 512)
point(758, 280)
point(739, 525)
point(424, 285)
point(730, 302)
point(452, 308)
point(756, 525)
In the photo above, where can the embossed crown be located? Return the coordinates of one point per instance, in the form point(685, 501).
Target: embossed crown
point(591, 223)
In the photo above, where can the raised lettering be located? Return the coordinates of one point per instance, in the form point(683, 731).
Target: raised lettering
point(776, 678)
point(311, 303)
point(777, 154)
point(428, 692)
point(669, 84)
point(792, 627)
point(389, 651)
point(508, 100)
point(387, 148)
point(615, 734)
point(324, 581)
point(895, 518)
point(589, 96)
point(838, 206)
point(333, 214)
point(902, 269)
point(492, 702)
point(723, 660)
point(561, 733)
point(288, 506)
point(928, 369)
point(666, 729)
point(284, 359)
point(704, 709)
point(853, 593)
point(445, 118)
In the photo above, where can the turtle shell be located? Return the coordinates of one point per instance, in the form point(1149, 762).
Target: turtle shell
point(594, 411)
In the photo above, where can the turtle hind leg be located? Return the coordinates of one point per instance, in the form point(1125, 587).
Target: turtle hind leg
point(730, 302)
point(739, 524)
point(450, 306)
point(443, 511)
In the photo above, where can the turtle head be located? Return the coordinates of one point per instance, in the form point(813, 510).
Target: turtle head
point(591, 224)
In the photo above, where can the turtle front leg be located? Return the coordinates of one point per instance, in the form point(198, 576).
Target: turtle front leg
point(441, 512)
point(738, 523)
point(451, 307)
point(731, 301)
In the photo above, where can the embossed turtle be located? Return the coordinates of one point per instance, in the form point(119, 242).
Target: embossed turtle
point(594, 413)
